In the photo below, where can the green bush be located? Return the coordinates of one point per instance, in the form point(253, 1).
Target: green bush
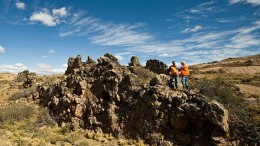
point(16, 112)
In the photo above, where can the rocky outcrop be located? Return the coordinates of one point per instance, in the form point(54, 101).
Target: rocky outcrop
point(107, 97)
point(28, 78)
point(135, 61)
point(156, 66)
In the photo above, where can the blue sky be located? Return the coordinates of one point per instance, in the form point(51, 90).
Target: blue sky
point(40, 35)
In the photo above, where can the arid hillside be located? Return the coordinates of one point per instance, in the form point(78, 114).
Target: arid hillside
point(243, 71)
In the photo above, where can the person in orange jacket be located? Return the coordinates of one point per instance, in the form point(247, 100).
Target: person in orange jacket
point(184, 74)
point(173, 71)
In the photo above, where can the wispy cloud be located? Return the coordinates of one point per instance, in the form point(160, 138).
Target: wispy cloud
point(120, 56)
point(243, 41)
point(203, 8)
point(224, 20)
point(106, 33)
point(207, 46)
point(197, 47)
point(253, 2)
point(44, 69)
point(15, 68)
point(20, 5)
point(51, 51)
point(48, 19)
point(245, 37)
point(235, 1)
point(2, 49)
point(194, 29)
point(123, 35)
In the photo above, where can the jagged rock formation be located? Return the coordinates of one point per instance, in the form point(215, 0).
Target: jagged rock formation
point(28, 78)
point(135, 61)
point(107, 97)
point(156, 66)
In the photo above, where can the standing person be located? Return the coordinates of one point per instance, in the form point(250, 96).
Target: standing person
point(184, 74)
point(173, 71)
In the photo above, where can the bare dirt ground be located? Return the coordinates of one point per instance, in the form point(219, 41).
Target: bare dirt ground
point(249, 90)
point(250, 70)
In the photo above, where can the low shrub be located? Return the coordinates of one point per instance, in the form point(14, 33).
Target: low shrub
point(4, 82)
point(144, 74)
point(16, 112)
point(22, 93)
point(242, 116)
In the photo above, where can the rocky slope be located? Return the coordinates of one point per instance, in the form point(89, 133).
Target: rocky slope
point(111, 98)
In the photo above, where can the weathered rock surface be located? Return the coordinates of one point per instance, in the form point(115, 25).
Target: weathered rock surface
point(107, 97)
point(28, 78)
point(156, 66)
point(134, 61)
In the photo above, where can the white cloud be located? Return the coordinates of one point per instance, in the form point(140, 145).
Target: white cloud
point(51, 51)
point(48, 19)
point(243, 41)
point(43, 17)
point(199, 47)
point(15, 68)
point(194, 29)
point(253, 2)
point(224, 20)
point(60, 12)
point(44, 69)
point(164, 55)
point(203, 8)
point(194, 11)
point(235, 1)
point(119, 56)
point(65, 65)
point(19, 65)
point(2, 49)
point(123, 35)
point(20, 5)
point(44, 56)
point(43, 66)
point(106, 34)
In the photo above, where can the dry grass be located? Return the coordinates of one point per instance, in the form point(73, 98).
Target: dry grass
point(144, 74)
point(15, 113)
point(243, 114)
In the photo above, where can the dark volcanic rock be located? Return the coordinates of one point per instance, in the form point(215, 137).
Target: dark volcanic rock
point(106, 96)
point(157, 66)
point(134, 61)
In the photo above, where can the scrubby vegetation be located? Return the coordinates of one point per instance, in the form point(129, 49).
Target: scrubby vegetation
point(144, 74)
point(244, 117)
point(22, 93)
point(15, 113)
